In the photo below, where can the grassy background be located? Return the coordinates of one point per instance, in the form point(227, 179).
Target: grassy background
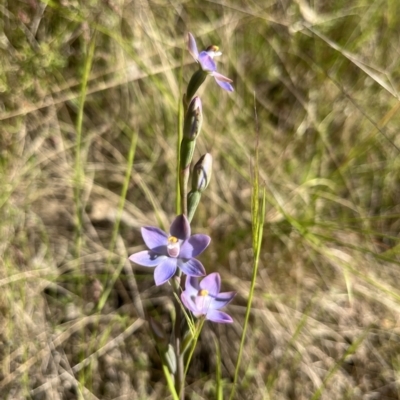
point(89, 88)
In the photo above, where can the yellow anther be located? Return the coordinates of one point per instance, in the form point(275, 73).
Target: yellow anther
point(172, 239)
point(213, 47)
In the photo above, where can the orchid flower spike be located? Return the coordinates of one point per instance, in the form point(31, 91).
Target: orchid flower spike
point(167, 252)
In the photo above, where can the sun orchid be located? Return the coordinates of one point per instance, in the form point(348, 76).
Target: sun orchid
point(206, 60)
point(204, 298)
point(167, 252)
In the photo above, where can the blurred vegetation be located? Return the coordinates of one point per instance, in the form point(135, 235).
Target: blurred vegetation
point(316, 80)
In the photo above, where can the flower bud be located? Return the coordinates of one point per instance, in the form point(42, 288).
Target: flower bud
point(195, 82)
point(202, 173)
point(193, 119)
point(170, 358)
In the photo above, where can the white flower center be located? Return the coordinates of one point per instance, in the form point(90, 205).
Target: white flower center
point(213, 51)
point(173, 246)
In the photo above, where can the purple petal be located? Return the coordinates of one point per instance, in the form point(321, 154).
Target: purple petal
point(192, 47)
point(180, 227)
point(222, 300)
point(225, 85)
point(194, 246)
point(219, 316)
point(191, 267)
point(155, 239)
point(211, 283)
point(203, 304)
point(188, 302)
point(221, 77)
point(165, 271)
point(206, 62)
point(192, 285)
point(147, 258)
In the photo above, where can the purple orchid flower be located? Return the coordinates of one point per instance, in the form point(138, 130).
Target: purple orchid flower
point(207, 63)
point(205, 299)
point(169, 252)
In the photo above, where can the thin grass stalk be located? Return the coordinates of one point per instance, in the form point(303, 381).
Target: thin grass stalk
point(149, 195)
point(79, 173)
point(110, 282)
point(218, 376)
point(124, 190)
point(126, 44)
point(259, 234)
point(257, 220)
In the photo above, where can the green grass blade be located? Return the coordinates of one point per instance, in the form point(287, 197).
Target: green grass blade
point(258, 231)
point(110, 282)
point(79, 172)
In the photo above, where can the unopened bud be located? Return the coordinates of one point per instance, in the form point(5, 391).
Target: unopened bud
point(170, 358)
point(201, 177)
point(202, 173)
point(195, 82)
point(193, 119)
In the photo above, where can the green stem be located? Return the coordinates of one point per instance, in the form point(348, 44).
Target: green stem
point(179, 375)
point(186, 156)
point(184, 175)
point(194, 343)
point(170, 383)
point(181, 207)
point(178, 145)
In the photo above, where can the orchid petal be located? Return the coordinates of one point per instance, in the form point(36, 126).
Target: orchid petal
point(147, 258)
point(222, 300)
point(221, 77)
point(192, 285)
point(219, 316)
point(180, 228)
point(155, 239)
point(203, 304)
point(206, 62)
point(211, 283)
point(224, 84)
point(165, 271)
point(191, 267)
point(188, 302)
point(194, 246)
point(192, 47)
